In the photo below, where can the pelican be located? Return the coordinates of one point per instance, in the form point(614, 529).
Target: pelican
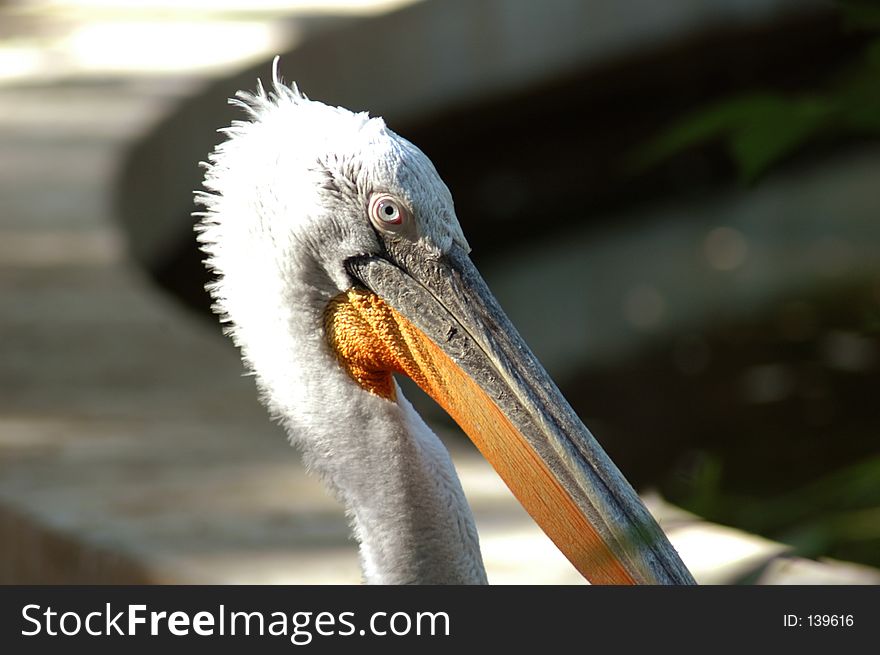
point(340, 262)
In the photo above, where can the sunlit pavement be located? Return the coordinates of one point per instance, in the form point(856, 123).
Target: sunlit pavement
point(131, 448)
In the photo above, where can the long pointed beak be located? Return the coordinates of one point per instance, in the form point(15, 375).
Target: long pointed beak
point(436, 321)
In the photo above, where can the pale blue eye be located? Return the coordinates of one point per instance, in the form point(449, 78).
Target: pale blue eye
point(389, 211)
point(386, 211)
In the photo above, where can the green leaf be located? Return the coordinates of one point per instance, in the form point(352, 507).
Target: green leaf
point(774, 130)
point(699, 127)
point(758, 130)
point(860, 15)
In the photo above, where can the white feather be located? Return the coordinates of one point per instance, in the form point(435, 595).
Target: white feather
point(285, 198)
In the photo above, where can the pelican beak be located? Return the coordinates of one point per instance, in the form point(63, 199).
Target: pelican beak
point(435, 320)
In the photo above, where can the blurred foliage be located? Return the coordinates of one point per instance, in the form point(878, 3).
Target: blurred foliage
point(809, 518)
point(829, 515)
point(803, 468)
point(759, 129)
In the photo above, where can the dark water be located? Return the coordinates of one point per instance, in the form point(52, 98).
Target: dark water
point(771, 425)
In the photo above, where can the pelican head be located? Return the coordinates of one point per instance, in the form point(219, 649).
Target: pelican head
point(340, 262)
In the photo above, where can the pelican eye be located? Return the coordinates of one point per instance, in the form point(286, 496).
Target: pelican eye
point(387, 212)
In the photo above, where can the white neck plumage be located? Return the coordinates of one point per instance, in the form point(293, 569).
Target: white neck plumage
point(390, 471)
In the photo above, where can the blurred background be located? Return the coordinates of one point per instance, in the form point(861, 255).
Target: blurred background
point(677, 204)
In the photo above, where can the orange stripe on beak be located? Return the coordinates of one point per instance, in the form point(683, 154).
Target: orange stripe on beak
point(372, 341)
